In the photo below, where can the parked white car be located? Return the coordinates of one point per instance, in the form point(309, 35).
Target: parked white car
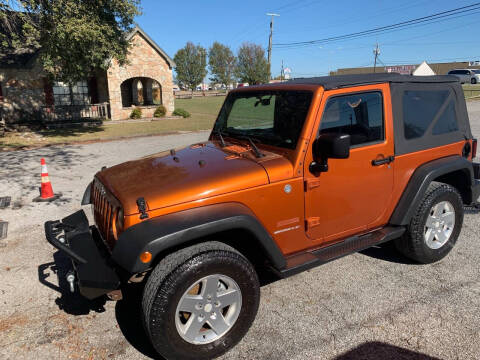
point(471, 76)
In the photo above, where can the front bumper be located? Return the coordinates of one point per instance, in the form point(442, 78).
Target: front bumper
point(95, 275)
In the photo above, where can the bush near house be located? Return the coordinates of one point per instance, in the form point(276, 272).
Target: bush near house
point(136, 113)
point(160, 111)
point(181, 112)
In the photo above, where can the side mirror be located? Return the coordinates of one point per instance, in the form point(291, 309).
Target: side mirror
point(329, 146)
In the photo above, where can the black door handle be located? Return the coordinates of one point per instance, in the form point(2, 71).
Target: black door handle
point(386, 160)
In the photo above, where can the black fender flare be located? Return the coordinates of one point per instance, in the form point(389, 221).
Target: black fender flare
point(87, 195)
point(172, 230)
point(421, 179)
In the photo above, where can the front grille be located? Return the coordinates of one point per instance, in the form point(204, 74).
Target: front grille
point(104, 212)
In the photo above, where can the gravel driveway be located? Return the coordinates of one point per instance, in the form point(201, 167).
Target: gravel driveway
point(371, 305)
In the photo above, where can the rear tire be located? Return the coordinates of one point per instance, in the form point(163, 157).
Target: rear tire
point(435, 226)
point(473, 81)
point(184, 280)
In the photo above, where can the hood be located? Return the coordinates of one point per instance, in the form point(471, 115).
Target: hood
point(185, 175)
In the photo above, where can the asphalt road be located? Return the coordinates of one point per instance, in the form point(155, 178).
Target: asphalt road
point(371, 305)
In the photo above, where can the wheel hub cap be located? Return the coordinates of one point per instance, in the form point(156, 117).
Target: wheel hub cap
point(439, 225)
point(208, 309)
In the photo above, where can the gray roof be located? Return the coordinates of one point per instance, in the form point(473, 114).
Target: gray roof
point(338, 81)
point(138, 29)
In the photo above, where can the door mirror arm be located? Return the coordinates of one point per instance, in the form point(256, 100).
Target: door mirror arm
point(318, 167)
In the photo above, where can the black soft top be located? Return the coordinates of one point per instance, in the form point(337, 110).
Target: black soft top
point(442, 94)
point(339, 81)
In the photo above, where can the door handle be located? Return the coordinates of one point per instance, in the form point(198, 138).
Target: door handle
point(386, 160)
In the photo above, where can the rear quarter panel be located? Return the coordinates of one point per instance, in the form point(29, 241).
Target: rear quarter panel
point(406, 164)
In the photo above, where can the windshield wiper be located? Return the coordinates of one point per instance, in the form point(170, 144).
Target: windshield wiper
point(257, 152)
point(220, 136)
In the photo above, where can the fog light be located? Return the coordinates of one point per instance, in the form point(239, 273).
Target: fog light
point(145, 257)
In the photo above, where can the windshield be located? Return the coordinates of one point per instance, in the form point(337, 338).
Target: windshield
point(476, 71)
point(270, 117)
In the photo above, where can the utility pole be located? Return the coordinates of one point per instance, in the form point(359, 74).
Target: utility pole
point(282, 75)
point(376, 52)
point(270, 38)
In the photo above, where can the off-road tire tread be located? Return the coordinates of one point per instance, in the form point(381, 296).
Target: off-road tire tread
point(160, 286)
point(412, 243)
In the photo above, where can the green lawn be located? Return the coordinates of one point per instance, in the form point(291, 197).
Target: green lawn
point(209, 105)
point(204, 111)
point(471, 91)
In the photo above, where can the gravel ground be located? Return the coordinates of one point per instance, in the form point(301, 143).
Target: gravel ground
point(371, 305)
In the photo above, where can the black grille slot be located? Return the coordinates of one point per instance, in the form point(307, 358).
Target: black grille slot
point(103, 212)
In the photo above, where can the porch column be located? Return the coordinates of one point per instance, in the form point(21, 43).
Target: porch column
point(147, 90)
point(135, 99)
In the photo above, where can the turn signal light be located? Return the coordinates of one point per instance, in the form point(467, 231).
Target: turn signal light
point(145, 257)
point(474, 148)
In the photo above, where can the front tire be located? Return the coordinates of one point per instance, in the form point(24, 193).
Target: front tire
point(473, 81)
point(200, 301)
point(435, 227)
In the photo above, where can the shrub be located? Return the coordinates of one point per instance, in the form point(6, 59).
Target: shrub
point(160, 111)
point(181, 112)
point(136, 113)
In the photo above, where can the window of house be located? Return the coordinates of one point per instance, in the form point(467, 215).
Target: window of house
point(61, 94)
point(156, 93)
point(80, 93)
point(421, 108)
point(358, 115)
point(65, 94)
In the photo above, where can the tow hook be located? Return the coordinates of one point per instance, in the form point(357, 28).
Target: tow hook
point(71, 280)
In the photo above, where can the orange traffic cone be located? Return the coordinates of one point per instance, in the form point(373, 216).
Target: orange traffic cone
point(46, 191)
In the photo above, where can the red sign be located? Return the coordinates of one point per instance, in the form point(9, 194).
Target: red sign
point(401, 69)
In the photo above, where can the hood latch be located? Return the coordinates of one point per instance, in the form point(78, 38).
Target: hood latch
point(142, 208)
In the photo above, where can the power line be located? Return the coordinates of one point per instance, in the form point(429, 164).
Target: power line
point(354, 19)
point(432, 17)
point(442, 16)
point(407, 42)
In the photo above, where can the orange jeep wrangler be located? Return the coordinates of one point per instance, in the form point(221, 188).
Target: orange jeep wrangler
point(294, 175)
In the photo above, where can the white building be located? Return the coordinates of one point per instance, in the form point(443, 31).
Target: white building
point(423, 70)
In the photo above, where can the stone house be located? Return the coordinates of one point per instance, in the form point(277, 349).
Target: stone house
point(145, 82)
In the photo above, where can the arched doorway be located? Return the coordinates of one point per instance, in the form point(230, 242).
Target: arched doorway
point(156, 92)
point(141, 91)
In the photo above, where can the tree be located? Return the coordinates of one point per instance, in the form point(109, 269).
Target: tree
point(74, 36)
point(221, 62)
point(252, 66)
point(191, 65)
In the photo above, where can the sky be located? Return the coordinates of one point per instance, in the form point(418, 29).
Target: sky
point(172, 23)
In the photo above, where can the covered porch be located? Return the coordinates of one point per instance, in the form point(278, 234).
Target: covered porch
point(84, 100)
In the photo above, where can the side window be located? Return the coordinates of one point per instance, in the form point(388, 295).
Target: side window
point(421, 108)
point(359, 115)
point(447, 122)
